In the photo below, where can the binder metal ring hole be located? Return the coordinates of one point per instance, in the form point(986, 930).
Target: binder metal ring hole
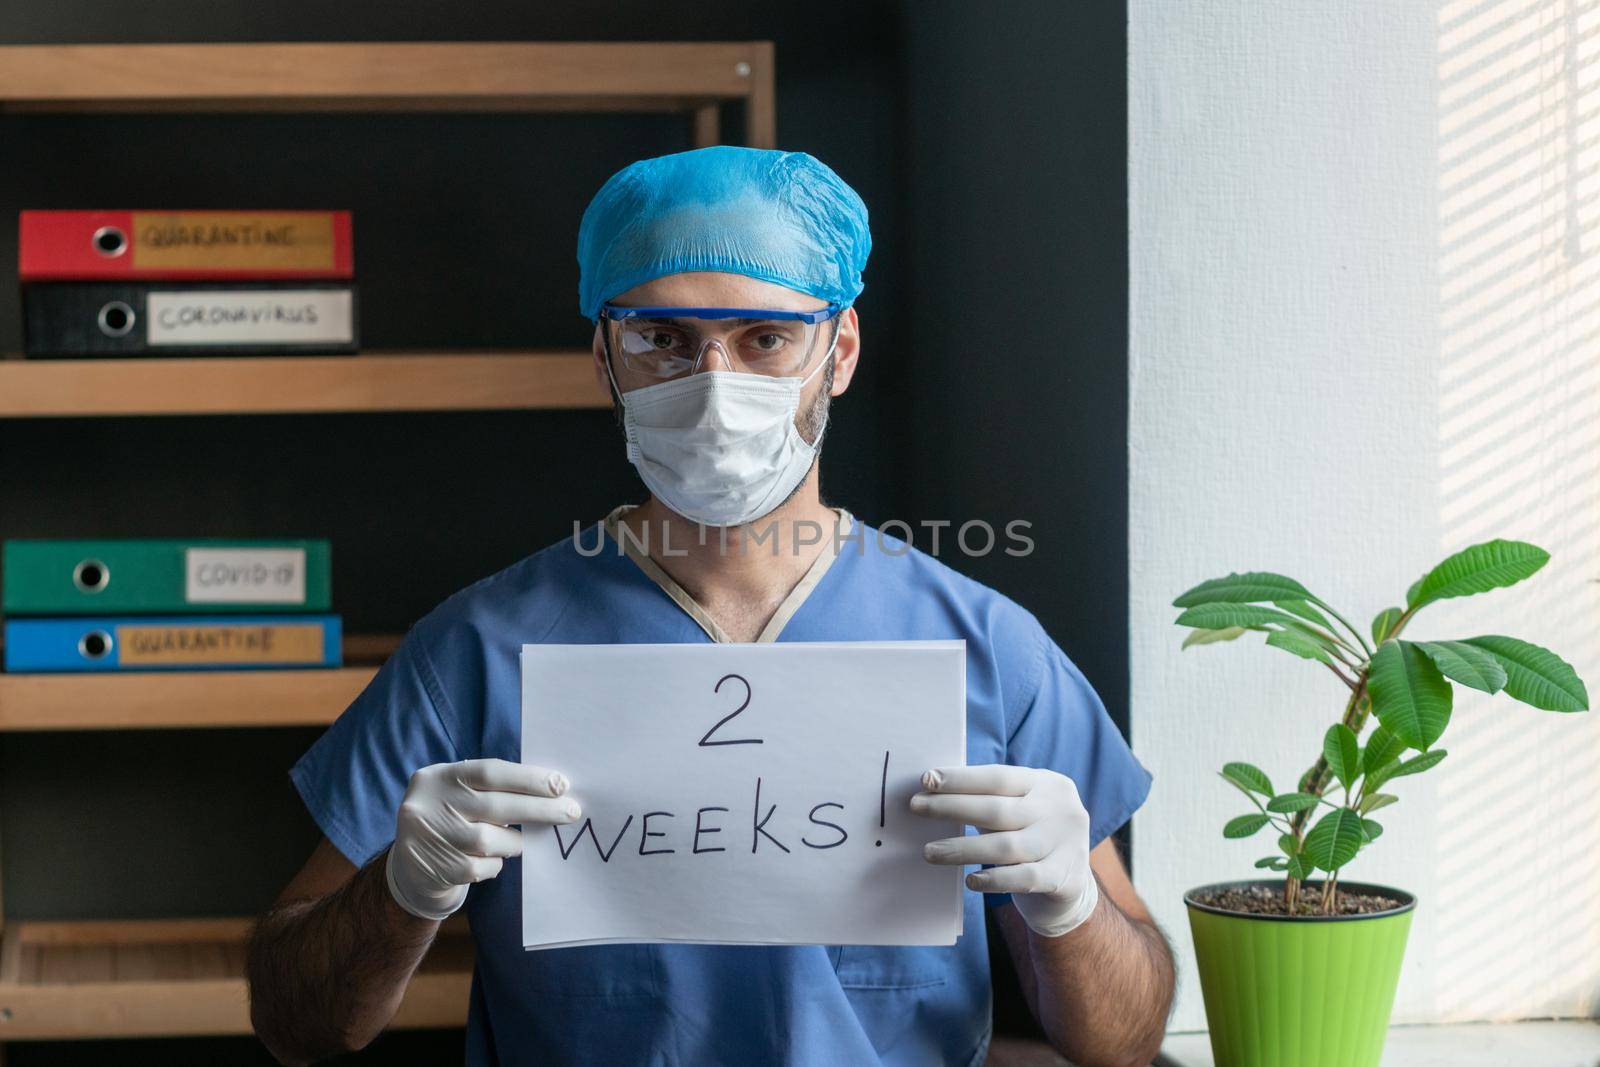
point(91, 575)
point(94, 645)
point(110, 241)
point(116, 318)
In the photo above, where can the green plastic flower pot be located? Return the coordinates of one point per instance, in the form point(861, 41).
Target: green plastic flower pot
point(1287, 991)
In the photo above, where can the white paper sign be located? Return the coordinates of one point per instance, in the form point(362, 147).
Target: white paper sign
point(742, 793)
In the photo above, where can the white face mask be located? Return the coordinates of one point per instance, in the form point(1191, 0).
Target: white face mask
point(720, 447)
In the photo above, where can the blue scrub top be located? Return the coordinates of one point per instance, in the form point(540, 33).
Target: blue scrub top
point(452, 691)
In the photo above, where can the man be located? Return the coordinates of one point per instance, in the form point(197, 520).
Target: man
point(722, 284)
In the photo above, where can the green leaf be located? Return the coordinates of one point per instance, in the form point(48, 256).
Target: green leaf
point(1335, 840)
point(1343, 753)
point(1293, 863)
point(1289, 802)
point(1411, 593)
point(1370, 831)
point(1467, 664)
point(1373, 801)
point(1416, 764)
point(1409, 695)
point(1244, 825)
point(1248, 588)
point(1382, 747)
point(1277, 863)
point(1298, 643)
point(1535, 675)
point(1221, 615)
point(1383, 622)
point(1381, 774)
point(1249, 778)
point(1206, 637)
point(1478, 569)
point(1321, 637)
point(1304, 609)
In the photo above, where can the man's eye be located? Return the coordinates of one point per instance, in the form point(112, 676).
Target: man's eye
point(770, 342)
point(661, 339)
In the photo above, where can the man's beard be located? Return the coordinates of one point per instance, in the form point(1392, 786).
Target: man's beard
point(816, 416)
point(811, 427)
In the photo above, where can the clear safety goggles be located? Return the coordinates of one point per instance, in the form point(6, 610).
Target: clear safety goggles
point(669, 342)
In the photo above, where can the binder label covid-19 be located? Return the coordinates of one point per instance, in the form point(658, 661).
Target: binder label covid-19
point(252, 575)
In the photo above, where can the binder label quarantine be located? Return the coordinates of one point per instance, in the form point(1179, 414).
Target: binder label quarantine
point(233, 240)
point(232, 643)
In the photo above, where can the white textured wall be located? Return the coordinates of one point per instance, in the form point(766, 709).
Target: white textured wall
point(1364, 335)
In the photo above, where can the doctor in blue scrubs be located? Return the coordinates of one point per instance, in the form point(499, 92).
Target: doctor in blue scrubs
point(721, 283)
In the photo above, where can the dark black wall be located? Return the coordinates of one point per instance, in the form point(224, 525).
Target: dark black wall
point(1015, 222)
point(988, 142)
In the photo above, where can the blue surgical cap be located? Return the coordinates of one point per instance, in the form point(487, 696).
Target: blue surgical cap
point(782, 217)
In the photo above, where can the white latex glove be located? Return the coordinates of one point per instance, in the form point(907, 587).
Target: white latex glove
point(1039, 845)
point(453, 828)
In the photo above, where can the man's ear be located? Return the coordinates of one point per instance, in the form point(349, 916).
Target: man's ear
point(846, 351)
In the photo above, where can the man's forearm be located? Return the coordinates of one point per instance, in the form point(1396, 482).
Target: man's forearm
point(327, 974)
point(1103, 990)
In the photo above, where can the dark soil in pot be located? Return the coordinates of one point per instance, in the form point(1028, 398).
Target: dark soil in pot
point(1267, 899)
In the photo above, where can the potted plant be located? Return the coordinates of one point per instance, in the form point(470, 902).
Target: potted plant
point(1303, 971)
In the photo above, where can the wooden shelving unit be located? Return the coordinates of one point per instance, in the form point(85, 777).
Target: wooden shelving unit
point(689, 77)
point(193, 699)
point(126, 978)
point(177, 699)
point(241, 385)
point(184, 976)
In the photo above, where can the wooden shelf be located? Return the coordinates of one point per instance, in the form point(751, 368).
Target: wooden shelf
point(184, 977)
point(279, 385)
point(388, 76)
point(174, 977)
point(142, 700)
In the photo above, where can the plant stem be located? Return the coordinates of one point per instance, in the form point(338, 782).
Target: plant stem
point(1329, 635)
point(1315, 780)
point(1349, 682)
point(1353, 631)
point(1346, 660)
